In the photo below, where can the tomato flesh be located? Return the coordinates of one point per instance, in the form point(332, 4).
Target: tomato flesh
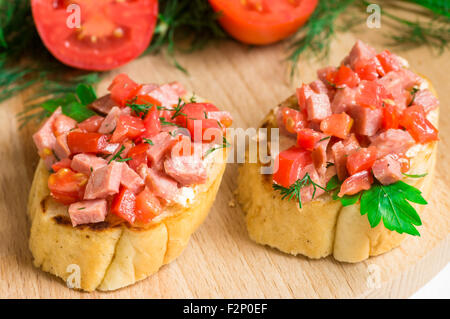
point(372, 95)
point(307, 138)
point(290, 162)
point(414, 120)
point(152, 124)
point(123, 205)
point(138, 155)
point(86, 142)
point(293, 120)
point(361, 160)
point(67, 186)
point(111, 32)
point(338, 125)
point(388, 61)
point(391, 116)
point(147, 206)
point(91, 124)
point(127, 127)
point(123, 89)
point(64, 163)
point(343, 77)
point(262, 21)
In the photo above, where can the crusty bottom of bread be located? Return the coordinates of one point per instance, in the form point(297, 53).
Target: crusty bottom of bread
point(110, 255)
point(322, 227)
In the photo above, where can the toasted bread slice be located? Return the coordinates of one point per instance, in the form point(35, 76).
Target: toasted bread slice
point(113, 254)
point(322, 227)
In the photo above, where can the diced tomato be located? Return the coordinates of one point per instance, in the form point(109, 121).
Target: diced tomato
point(388, 61)
point(123, 89)
point(361, 160)
point(127, 127)
point(293, 120)
point(67, 186)
point(147, 206)
point(86, 142)
point(338, 125)
point(372, 95)
point(391, 116)
point(92, 124)
point(356, 183)
point(307, 138)
point(193, 111)
point(209, 129)
point(123, 205)
point(138, 155)
point(152, 123)
point(414, 120)
point(369, 69)
point(290, 162)
point(343, 77)
point(223, 117)
point(64, 163)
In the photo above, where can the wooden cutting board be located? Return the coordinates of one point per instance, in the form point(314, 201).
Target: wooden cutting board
point(220, 260)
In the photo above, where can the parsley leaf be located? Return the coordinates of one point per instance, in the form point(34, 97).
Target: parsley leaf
point(335, 185)
point(390, 203)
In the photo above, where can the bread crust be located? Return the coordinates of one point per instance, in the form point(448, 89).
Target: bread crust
point(322, 227)
point(111, 255)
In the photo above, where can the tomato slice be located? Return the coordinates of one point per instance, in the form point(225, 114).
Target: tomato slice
point(290, 162)
point(338, 125)
point(86, 142)
point(66, 186)
point(111, 32)
point(415, 121)
point(138, 155)
point(147, 206)
point(127, 127)
point(361, 160)
point(307, 138)
point(262, 21)
point(123, 205)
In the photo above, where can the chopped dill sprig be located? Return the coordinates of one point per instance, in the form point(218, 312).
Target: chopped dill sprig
point(225, 144)
point(293, 191)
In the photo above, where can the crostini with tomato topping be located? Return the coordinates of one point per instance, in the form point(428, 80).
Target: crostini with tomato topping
point(357, 154)
point(120, 193)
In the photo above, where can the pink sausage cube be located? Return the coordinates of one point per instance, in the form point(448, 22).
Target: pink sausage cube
point(87, 163)
point(61, 148)
point(104, 181)
point(318, 107)
point(131, 180)
point(87, 212)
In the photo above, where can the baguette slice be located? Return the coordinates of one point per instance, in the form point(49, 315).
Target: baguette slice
point(322, 227)
point(112, 254)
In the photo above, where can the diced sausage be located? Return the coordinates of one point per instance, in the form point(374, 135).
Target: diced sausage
point(426, 99)
point(131, 180)
point(187, 170)
point(387, 170)
point(343, 100)
point(45, 140)
point(87, 163)
point(61, 148)
point(103, 105)
point(162, 185)
point(109, 123)
point(104, 181)
point(393, 141)
point(367, 121)
point(357, 182)
point(340, 160)
point(360, 51)
point(303, 93)
point(63, 124)
point(87, 212)
point(318, 107)
point(162, 144)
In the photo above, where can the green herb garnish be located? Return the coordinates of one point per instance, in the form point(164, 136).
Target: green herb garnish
point(167, 123)
point(293, 191)
point(225, 144)
point(390, 203)
point(148, 141)
point(140, 110)
point(117, 156)
point(415, 175)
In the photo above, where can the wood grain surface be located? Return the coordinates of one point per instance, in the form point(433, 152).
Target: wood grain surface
point(220, 260)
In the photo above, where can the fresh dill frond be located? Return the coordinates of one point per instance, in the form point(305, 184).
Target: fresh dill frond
point(225, 144)
point(294, 190)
